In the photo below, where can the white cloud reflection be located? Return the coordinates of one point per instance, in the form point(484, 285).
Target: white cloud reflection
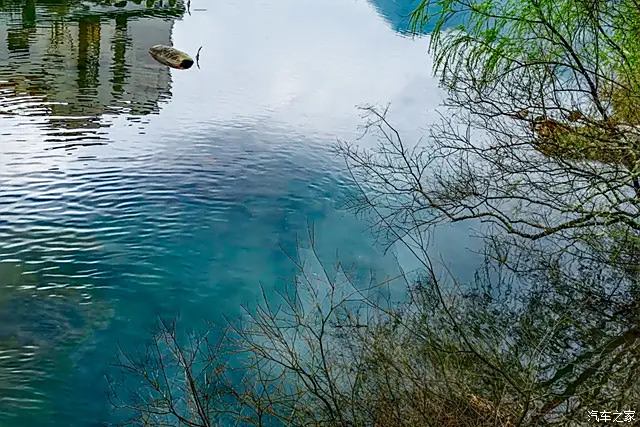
point(301, 64)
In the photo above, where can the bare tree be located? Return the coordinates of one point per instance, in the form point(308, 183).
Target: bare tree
point(540, 135)
point(328, 351)
point(538, 144)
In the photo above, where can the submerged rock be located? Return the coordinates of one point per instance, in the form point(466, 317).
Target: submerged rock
point(171, 57)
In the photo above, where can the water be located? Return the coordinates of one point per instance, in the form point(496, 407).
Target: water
point(129, 191)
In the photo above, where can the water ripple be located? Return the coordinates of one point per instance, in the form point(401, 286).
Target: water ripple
point(101, 46)
point(117, 206)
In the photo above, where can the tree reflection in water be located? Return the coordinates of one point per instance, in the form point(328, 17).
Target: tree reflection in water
point(83, 62)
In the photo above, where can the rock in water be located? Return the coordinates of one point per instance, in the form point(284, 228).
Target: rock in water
point(171, 57)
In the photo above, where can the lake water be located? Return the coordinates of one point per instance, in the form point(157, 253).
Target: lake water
point(129, 191)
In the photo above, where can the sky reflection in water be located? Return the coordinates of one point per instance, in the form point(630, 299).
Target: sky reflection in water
point(129, 191)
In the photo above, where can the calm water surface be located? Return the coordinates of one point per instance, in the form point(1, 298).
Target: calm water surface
point(129, 191)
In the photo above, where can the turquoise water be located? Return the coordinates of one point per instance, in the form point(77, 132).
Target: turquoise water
point(128, 191)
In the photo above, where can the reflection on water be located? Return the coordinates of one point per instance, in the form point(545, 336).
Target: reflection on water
point(71, 64)
point(396, 12)
point(32, 326)
point(193, 215)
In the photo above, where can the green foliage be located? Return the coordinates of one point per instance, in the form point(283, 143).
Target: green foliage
point(584, 46)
